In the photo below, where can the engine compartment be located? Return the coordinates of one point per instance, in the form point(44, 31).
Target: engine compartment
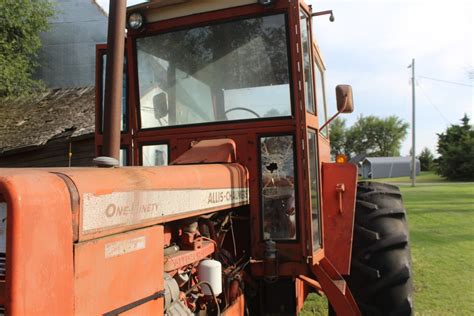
point(204, 267)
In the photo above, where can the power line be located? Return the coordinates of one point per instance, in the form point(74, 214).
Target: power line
point(433, 105)
point(447, 81)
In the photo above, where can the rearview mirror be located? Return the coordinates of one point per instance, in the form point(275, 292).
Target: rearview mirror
point(160, 105)
point(345, 102)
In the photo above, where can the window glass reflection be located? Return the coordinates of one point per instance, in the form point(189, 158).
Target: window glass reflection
point(321, 99)
point(278, 187)
point(313, 178)
point(155, 155)
point(123, 119)
point(308, 75)
point(229, 71)
point(123, 158)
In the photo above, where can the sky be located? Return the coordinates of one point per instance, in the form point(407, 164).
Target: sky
point(372, 42)
point(105, 3)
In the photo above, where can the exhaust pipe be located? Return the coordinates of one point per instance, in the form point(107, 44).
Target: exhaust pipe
point(113, 85)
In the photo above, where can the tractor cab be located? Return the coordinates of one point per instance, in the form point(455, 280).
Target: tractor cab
point(245, 72)
point(227, 66)
point(226, 202)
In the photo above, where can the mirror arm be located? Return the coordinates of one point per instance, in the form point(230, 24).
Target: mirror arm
point(335, 115)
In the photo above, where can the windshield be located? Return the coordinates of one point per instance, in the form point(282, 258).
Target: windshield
point(229, 71)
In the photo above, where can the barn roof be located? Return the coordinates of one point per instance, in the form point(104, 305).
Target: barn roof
point(34, 120)
point(357, 158)
point(387, 160)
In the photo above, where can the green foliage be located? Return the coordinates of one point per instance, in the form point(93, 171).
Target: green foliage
point(456, 150)
point(370, 135)
point(426, 160)
point(21, 21)
point(338, 136)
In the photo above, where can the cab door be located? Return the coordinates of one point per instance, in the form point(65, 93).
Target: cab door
point(317, 143)
point(318, 150)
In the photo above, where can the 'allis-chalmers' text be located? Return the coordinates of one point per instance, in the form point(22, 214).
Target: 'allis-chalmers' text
point(227, 196)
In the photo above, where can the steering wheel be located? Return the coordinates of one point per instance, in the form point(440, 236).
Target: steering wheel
point(243, 109)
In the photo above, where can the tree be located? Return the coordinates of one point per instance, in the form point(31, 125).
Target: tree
point(456, 150)
point(370, 135)
point(21, 22)
point(337, 130)
point(376, 136)
point(426, 159)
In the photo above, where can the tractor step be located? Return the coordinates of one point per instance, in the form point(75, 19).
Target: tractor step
point(336, 289)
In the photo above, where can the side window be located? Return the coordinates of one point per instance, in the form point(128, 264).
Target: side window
point(307, 64)
point(154, 155)
point(278, 187)
point(123, 155)
point(123, 159)
point(321, 98)
point(124, 121)
point(313, 178)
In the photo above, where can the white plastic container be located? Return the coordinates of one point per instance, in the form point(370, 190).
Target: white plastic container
point(210, 271)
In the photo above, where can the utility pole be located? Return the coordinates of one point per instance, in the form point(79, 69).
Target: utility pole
point(413, 150)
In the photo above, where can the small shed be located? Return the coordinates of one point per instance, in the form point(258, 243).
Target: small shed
point(52, 129)
point(387, 167)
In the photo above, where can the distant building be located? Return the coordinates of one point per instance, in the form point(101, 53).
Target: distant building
point(56, 129)
point(387, 167)
point(357, 160)
point(67, 56)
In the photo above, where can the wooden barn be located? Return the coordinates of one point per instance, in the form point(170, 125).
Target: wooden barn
point(53, 129)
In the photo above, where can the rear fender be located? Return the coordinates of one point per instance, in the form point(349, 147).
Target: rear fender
point(339, 185)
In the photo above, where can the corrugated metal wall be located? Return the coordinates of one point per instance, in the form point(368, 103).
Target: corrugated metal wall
point(67, 57)
point(388, 169)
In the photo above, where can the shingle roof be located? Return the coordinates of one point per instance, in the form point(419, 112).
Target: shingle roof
point(34, 120)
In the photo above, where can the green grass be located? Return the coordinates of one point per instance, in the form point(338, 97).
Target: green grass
point(424, 177)
point(441, 219)
point(315, 305)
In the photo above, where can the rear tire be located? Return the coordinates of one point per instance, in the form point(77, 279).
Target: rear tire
point(381, 273)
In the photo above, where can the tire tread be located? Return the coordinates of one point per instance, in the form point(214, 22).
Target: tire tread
point(381, 276)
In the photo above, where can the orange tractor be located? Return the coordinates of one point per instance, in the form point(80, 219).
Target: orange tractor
point(215, 193)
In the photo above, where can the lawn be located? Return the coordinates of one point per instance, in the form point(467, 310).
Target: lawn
point(441, 219)
point(423, 177)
